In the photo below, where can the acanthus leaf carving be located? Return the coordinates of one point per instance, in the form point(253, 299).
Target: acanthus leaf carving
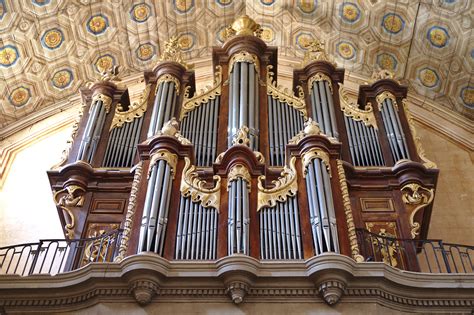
point(168, 78)
point(380, 98)
point(165, 155)
point(239, 171)
point(319, 77)
point(352, 110)
point(316, 153)
point(244, 56)
point(241, 137)
point(136, 110)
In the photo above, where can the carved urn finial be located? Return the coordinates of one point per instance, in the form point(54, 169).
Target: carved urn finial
point(243, 25)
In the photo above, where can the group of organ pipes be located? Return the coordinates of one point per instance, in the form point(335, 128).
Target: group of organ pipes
point(245, 167)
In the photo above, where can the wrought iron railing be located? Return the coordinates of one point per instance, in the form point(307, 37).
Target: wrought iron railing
point(58, 255)
point(431, 256)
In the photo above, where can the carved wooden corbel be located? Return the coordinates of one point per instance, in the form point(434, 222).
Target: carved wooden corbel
point(71, 196)
point(419, 197)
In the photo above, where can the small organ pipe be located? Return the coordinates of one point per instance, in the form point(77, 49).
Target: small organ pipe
point(230, 235)
point(390, 134)
point(271, 133)
point(86, 138)
point(323, 205)
point(155, 205)
point(245, 215)
point(235, 102)
point(251, 98)
point(146, 209)
point(179, 229)
point(297, 228)
point(330, 208)
point(362, 143)
point(243, 120)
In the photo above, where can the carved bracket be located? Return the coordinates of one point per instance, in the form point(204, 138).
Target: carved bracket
point(72, 197)
point(284, 186)
point(331, 291)
point(352, 110)
point(420, 197)
point(241, 137)
point(135, 111)
point(193, 186)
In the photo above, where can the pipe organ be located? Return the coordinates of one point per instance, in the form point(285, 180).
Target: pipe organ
point(245, 167)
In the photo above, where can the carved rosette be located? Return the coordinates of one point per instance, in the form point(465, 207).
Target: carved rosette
point(331, 291)
point(209, 93)
point(418, 197)
point(284, 187)
point(285, 96)
point(384, 96)
point(319, 77)
point(348, 212)
point(143, 291)
point(72, 196)
point(106, 101)
point(192, 186)
point(352, 110)
point(238, 170)
point(136, 110)
point(316, 153)
point(244, 56)
point(165, 155)
point(168, 78)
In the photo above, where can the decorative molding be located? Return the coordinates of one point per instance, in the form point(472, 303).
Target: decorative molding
point(165, 155)
point(319, 77)
point(352, 110)
point(209, 93)
point(168, 78)
point(106, 101)
point(238, 170)
point(370, 204)
point(420, 197)
point(285, 96)
point(136, 110)
point(315, 153)
point(384, 96)
point(241, 137)
point(131, 208)
point(348, 212)
point(72, 197)
point(194, 187)
point(284, 187)
point(244, 56)
point(419, 147)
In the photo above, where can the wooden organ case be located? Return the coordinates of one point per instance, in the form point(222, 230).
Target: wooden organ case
point(245, 167)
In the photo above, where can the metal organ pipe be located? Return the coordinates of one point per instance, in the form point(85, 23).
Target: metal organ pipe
point(322, 106)
point(163, 107)
point(94, 126)
point(238, 220)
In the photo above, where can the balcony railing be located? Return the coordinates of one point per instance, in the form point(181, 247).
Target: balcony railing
point(58, 255)
point(431, 256)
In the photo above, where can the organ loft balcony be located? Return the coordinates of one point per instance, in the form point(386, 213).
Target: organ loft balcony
point(242, 191)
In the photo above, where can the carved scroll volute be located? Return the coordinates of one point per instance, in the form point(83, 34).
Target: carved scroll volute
point(416, 197)
point(69, 198)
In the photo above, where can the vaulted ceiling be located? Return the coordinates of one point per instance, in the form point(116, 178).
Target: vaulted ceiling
point(50, 48)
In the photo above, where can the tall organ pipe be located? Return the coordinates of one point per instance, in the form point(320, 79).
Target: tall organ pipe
point(323, 108)
point(163, 106)
point(91, 137)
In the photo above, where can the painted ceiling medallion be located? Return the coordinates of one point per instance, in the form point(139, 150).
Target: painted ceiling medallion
point(186, 41)
point(145, 51)
point(41, 3)
point(8, 55)
point(387, 62)
point(104, 63)
point(62, 79)
point(393, 23)
point(267, 34)
point(97, 24)
point(350, 12)
point(307, 6)
point(267, 2)
point(140, 12)
point(428, 77)
point(223, 2)
point(346, 50)
point(303, 40)
point(52, 38)
point(438, 36)
point(467, 96)
point(20, 96)
point(3, 9)
point(183, 6)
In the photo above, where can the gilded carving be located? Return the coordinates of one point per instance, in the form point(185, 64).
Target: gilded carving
point(244, 56)
point(72, 197)
point(106, 101)
point(192, 186)
point(420, 197)
point(382, 74)
point(238, 170)
point(131, 208)
point(316, 153)
point(319, 77)
point(316, 52)
point(284, 187)
point(168, 78)
point(170, 128)
point(163, 155)
point(109, 74)
point(384, 96)
point(241, 137)
point(387, 248)
point(285, 96)
point(311, 127)
point(97, 250)
point(136, 110)
point(173, 52)
point(352, 110)
point(209, 93)
point(243, 25)
point(419, 148)
point(348, 212)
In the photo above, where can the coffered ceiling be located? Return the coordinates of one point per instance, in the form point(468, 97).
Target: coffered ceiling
point(50, 48)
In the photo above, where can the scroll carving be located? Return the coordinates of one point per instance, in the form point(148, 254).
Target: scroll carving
point(165, 155)
point(419, 197)
point(131, 208)
point(348, 212)
point(319, 77)
point(72, 197)
point(384, 96)
point(316, 153)
point(209, 93)
point(168, 78)
point(284, 187)
point(238, 170)
point(135, 111)
point(352, 110)
point(297, 102)
point(106, 101)
point(419, 148)
point(192, 186)
point(244, 56)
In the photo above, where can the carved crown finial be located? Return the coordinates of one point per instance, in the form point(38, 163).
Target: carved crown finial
point(107, 75)
point(315, 52)
point(243, 25)
point(173, 51)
